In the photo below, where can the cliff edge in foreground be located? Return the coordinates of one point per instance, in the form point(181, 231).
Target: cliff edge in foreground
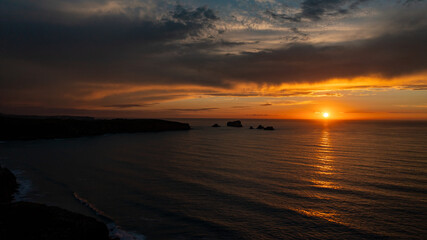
point(26, 220)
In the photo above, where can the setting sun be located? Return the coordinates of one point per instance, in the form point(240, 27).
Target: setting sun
point(325, 115)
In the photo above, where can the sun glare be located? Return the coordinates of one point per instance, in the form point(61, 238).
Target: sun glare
point(325, 115)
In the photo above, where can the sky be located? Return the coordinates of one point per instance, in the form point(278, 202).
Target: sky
point(273, 59)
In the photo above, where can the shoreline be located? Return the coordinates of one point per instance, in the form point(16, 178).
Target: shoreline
point(28, 220)
point(14, 127)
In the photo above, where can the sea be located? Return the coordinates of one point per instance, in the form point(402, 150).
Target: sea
point(307, 179)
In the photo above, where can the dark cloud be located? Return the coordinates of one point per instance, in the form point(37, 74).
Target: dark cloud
point(408, 2)
point(282, 16)
point(296, 35)
point(201, 15)
point(99, 32)
point(316, 9)
point(266, 104)
point(112, 47)
point(388, 56)
point(43, 54)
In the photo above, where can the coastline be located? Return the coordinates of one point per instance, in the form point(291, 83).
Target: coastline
point(22, 219)
point(28, 220)
point(14, 127)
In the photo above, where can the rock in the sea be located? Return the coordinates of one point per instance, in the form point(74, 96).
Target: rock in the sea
point(216, 125)
point(269, 128)
point(251, 127)
point(234, 124)
point(24, 220)
point(260, 127)
point(8, 185)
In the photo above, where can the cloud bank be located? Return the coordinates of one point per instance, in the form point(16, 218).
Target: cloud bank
point(53, 48)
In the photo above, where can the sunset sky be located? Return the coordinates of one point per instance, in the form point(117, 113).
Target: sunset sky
point(356, 59)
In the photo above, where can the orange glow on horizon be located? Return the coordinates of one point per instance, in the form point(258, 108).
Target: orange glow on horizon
point(359, 98)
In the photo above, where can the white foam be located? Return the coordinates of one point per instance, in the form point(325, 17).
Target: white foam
point(92, 207)
point(115, 231)
point(25, 187)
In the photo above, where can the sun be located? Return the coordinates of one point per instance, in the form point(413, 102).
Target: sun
point(325, 115)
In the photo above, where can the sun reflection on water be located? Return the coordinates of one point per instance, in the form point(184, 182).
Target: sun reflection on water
point(323, 176)
point(324, 163)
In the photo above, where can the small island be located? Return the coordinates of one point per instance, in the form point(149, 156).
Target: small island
point(234, 124)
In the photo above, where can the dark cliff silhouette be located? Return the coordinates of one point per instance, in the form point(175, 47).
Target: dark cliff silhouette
point(26, 220)
point(33, 127)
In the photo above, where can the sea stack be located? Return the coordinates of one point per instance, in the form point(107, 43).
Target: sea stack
point(234, 124)
point(269, 128)
point(216, 125)
point(260, 127)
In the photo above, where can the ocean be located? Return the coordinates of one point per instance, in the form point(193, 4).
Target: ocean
point(304, 180)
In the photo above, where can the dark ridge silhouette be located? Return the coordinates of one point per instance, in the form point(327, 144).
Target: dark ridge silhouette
point(260, 127)
point(8, 185)
point(35, 127)
point(26, 220)
point(269, 128)
point(216, 125)
point(234, 124)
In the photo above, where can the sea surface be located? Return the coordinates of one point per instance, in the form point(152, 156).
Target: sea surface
point(305, 180)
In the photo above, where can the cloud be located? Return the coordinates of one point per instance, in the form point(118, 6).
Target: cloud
point(388, 56)
point(124, 106)
point(50, 53)
point(409, 2)
point(315, 10)
point(193, 109)
point(283, 16)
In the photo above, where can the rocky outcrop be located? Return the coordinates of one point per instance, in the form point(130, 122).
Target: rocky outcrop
point(25, 128)
point(216, 125)
point(234, 124)
point(24, 220)
point(260, 127)
point(251, 127)
point(8, 185)
point(269, 128)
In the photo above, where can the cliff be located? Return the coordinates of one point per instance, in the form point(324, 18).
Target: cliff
point(32, 127)
point(8, 185)
point(26, 220)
